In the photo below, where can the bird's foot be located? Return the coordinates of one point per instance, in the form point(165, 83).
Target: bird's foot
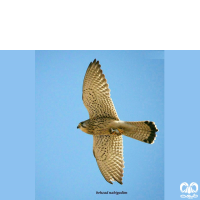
point(117, 131)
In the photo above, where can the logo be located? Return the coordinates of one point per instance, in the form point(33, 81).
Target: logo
point(190, 189)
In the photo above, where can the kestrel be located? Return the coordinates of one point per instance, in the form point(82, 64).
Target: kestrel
point(106, 127)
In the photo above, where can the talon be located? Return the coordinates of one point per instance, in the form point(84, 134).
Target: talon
point(121, 131)
point(116, 131)
point(112, 131)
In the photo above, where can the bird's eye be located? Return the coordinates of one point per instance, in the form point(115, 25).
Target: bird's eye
point(83, 124)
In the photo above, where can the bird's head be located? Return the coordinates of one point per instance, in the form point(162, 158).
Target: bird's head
point(83, 126)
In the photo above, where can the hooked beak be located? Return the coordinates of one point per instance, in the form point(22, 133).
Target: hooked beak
point(78, 126)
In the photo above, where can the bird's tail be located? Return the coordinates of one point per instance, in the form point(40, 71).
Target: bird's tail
point(144, 131)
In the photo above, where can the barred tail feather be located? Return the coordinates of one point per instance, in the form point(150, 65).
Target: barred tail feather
point(144, 131)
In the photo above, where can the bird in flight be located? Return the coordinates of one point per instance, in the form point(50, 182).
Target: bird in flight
point(106, 127)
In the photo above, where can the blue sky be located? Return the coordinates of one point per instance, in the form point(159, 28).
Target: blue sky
point(65, 165)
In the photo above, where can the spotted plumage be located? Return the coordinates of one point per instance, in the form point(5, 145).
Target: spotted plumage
point(106, 127)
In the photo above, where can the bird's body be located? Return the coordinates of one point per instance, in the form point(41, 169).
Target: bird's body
point(106, 127)
point(99, 126)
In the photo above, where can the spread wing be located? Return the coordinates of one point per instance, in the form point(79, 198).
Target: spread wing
point(96, 94)
point(108, 151)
